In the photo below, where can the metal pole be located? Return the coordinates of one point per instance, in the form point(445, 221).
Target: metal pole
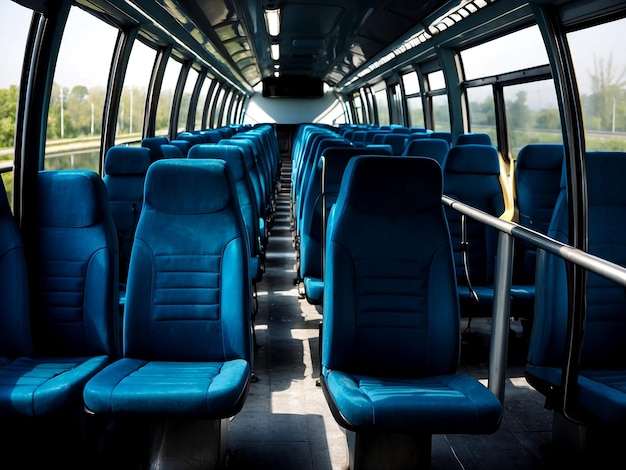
point(501, 315)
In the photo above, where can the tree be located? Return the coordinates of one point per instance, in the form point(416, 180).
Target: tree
point(607, 94)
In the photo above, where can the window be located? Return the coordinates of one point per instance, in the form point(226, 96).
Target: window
point(164, 107)
point(78, 92)
point(600, 67)
point(202, 98)
point(382, 106)
point(532, 114)
point(413, 99)
point(517, 51)
point(14, 24)
point(133, 101)
point(482, 111)
point(192, 78)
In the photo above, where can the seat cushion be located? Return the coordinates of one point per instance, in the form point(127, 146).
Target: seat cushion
point(211, 390)
point(445, 404)
point(43, 386)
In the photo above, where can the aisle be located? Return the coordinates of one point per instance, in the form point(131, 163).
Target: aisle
point(285, 422)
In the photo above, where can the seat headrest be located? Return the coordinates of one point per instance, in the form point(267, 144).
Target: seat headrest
point(206, 186)
point(122, 160)
point(471, 138)
point(371, 181)
point(70, 198)
point(541, 156)
point(473, 158)
point(229, 153)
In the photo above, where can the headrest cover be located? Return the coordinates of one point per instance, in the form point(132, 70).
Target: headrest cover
point(473, 158)
point(70, 198)
point(184, 186)
point(230, 153)
point(122, 160)
point(371, 181)
point(541, 156)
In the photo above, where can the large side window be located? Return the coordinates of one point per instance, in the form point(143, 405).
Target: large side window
point(133, 102)
point(600, 66)
point(413, 99)
point(78, 93)
point(202, 97)
point(14, 24)
point(164, 107)
point(192, 78)
point(439, 101)
point(382, 105)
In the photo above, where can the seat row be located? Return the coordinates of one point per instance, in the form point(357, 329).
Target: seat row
point(182, 358)
point(472, 174)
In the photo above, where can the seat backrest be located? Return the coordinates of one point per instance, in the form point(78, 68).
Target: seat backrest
point(317, 200)
point(433, 148)
point(390, 303)
point(396, 140)
point(605, 329)
point(473, 138)
point(154, 144)
point(172, 151)
point(189, 290)
point(124, 174)
point(75, 306)
point(15, 339)
point(537, 185)
point(233, 155)
point(445, 135)
point(471, 174)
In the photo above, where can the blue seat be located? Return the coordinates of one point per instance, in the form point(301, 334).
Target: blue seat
point(183, 145)
point(473, 138)
point(248, 154)
point(15, 337)
point(433, 148)
point(154, 144)
point(245, 192)
point(445, 135)
point(397, 141)
point(124, 174)
point(600, 401)
point(187, 353)
point(172, 151)
point(391, 330)
point(537, 179)
point(320, 194)
point(74, 312)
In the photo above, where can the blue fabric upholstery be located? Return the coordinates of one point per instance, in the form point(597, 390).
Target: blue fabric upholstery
point(390, 337)
point(473, 138)
point(316, 204)
point(172, 151)
point(124, 174)
point(602, 378)
point(246, 147)
point(245, 193)
point(433, 148)
point(15, 339)
point(183, 145)
point(537, 185)
point(471, 175)
point(154, 144)
point(187, 325)
point(74, 313)
point(396, 140)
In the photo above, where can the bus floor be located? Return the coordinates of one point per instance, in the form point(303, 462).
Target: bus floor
point(286, 422)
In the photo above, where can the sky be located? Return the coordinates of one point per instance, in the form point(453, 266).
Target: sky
point(14, 21)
